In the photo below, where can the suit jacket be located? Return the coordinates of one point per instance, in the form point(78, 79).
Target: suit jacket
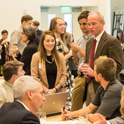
point(109, 46)
point(117, 120)
point(39, 33)
point(38, 70)
point(15, 113)
point(27, 56)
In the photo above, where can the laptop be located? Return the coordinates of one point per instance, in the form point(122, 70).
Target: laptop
point(54, 103)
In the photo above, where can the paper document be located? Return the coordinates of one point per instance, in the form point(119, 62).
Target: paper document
point(59, 122)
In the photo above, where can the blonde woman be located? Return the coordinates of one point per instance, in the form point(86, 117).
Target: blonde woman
point(57, 26)
point(49, 65)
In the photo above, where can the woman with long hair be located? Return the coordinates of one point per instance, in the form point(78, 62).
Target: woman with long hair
point(57, 26)
point(48, 64)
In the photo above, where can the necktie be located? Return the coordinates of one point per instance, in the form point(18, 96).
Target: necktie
point(91, 58)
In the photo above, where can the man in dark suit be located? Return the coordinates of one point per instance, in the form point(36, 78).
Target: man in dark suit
point(106, 45)
point(39, 32)
point(28, 95)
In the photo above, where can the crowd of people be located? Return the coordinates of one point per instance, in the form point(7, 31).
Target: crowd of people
point(47, 58)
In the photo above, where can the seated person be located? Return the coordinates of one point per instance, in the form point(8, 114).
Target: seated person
point(108, 95)
point(49, 65)
point(28, 36)
point(4, 50)
point(117, 120)
point(28, 96)
point(11, 71)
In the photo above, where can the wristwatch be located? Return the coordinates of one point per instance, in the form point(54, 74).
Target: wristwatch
point(56, 89)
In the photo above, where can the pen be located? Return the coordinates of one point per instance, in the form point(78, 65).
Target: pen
point(64, 111)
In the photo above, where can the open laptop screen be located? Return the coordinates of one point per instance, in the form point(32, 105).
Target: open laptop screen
point(54, 103)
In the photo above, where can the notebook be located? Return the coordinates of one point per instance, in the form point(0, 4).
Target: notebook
point(54, 103)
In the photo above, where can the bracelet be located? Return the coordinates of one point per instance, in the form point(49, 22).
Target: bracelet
point(56, 89)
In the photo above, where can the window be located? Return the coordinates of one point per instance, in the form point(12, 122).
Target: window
point(50, 16)
point(69, 20)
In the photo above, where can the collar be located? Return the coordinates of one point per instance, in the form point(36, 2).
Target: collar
point(8, 84)
point(23, 105)
point(86, 37)
point(99, 36)
point(110, 83)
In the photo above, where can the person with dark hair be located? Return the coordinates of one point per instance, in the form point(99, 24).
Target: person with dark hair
point(39, 32)
point(78, 51)
point(120, 36)
point(4, 50)
point(11, 71)
point(15, 41)
point(49, 65)
point(108, 95)
point(78, 48)
point(28, 36)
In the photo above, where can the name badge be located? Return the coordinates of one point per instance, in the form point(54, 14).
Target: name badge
point(105, 56)
point(40, 65)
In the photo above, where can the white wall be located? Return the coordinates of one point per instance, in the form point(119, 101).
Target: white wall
point(11, 11)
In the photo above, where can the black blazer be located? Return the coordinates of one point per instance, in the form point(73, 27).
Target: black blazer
point(39, 33)
point(27, 56)
point(15, 113)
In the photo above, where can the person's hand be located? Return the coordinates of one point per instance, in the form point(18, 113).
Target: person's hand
point(75, 47)
point(70, 53)
point(0, 47)
point(50, 91)
point(14, 51)
point(101, 120)
point(80, 67)
point(65, 114)
point(46, 90)
point(87, 70)
point(3, 42)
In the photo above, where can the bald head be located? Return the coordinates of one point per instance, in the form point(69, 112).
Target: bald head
point(96, 23)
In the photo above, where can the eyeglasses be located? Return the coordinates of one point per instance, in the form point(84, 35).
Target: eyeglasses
point(22, 33)
point(41, 93)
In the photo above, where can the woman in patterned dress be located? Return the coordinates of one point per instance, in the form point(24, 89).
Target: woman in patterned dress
point(4, 50)
point(57, 26)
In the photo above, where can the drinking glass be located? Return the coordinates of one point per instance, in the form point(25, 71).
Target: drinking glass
point(83, 119)
point(14, 50)
point(42, 116)
point(86, 65)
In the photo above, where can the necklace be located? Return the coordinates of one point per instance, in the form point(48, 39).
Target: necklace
point(49, 61)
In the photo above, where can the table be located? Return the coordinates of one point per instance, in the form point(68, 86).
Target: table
point(58, 118)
